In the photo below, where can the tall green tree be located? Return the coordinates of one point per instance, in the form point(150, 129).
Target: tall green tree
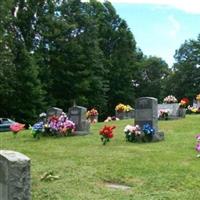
point(150, 76)
point(185, 79)
point(119, 50)
point(7, 67)
point(28, 99)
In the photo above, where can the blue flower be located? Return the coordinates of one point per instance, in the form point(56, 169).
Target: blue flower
point(147, 129)
point(38, 126)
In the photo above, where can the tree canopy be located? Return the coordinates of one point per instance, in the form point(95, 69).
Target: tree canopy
point(56, 52)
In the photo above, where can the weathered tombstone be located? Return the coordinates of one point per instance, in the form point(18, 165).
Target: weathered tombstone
point(146, 112)
point(77, 114)
point(14, 176)
point(54, 112)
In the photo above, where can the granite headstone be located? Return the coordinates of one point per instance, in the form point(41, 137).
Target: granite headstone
point(77, 114)
point(174, 110)
point(146, 112)
point(14, 176)
point(54, 112)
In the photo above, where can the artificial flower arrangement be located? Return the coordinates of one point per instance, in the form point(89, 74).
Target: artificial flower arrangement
point(54, 126)
point(184, 102)
point(194, 110)
point(16, 127)
point(92, 115)
point(138, 134)
point(198, 145)
point(131, 132)
point(170, 99)
point(92, 112)
point(198, 97)
point(106, 133)
point(123, 108)
point(163, 114)
point(113, 118)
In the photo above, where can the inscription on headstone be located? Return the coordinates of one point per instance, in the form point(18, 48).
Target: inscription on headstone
point(14, 176)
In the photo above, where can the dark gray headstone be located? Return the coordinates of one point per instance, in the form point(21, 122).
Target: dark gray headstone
point(14, 176)
point(146, 112)
point(77, 114)
point(54, 112)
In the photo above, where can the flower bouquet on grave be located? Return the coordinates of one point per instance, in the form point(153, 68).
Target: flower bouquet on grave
point(132, 132)
point(68, 128)
point(92, 115)
point(163, 114)
point(193, 110)
point(198, 145)
point(148, 131)
point(37, 129)
point(16, 127)
point(123, 108)
point(184, 103)
point(170, 99)
point(106, 133)
point(120, 107)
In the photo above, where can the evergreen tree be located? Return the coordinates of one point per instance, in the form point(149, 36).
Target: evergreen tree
point(7, 68)
point(119, 50)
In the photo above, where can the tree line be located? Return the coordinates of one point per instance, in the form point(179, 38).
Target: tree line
point(56, 52)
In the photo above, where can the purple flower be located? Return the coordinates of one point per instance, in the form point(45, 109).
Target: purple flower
point(198, 137)
point(198, 147)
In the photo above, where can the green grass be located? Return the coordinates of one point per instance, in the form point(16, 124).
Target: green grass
point(165, 170)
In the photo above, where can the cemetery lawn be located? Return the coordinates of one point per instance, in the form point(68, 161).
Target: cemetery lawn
point(164, 170)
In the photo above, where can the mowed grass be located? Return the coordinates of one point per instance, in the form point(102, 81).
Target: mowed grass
point(164, 170)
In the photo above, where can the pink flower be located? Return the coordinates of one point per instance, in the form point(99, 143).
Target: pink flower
point(198, 137)
point(198, 147)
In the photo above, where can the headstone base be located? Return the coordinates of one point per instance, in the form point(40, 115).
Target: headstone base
point(79, 133)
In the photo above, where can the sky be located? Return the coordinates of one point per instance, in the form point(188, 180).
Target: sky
point(160, 26)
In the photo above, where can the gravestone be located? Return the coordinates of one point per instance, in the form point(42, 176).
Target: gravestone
point(125, 115)
point(14, 176)
point(54, 112)
point(146, 112)
point(173, 108)
point(77, 114)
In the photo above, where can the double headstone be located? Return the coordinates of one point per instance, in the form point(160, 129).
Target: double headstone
point(146, 112)
point(77, 114)
point(14, 176)
point(174, 110)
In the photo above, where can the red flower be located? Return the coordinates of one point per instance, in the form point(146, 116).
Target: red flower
point(107, 133)
point(184, 102)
